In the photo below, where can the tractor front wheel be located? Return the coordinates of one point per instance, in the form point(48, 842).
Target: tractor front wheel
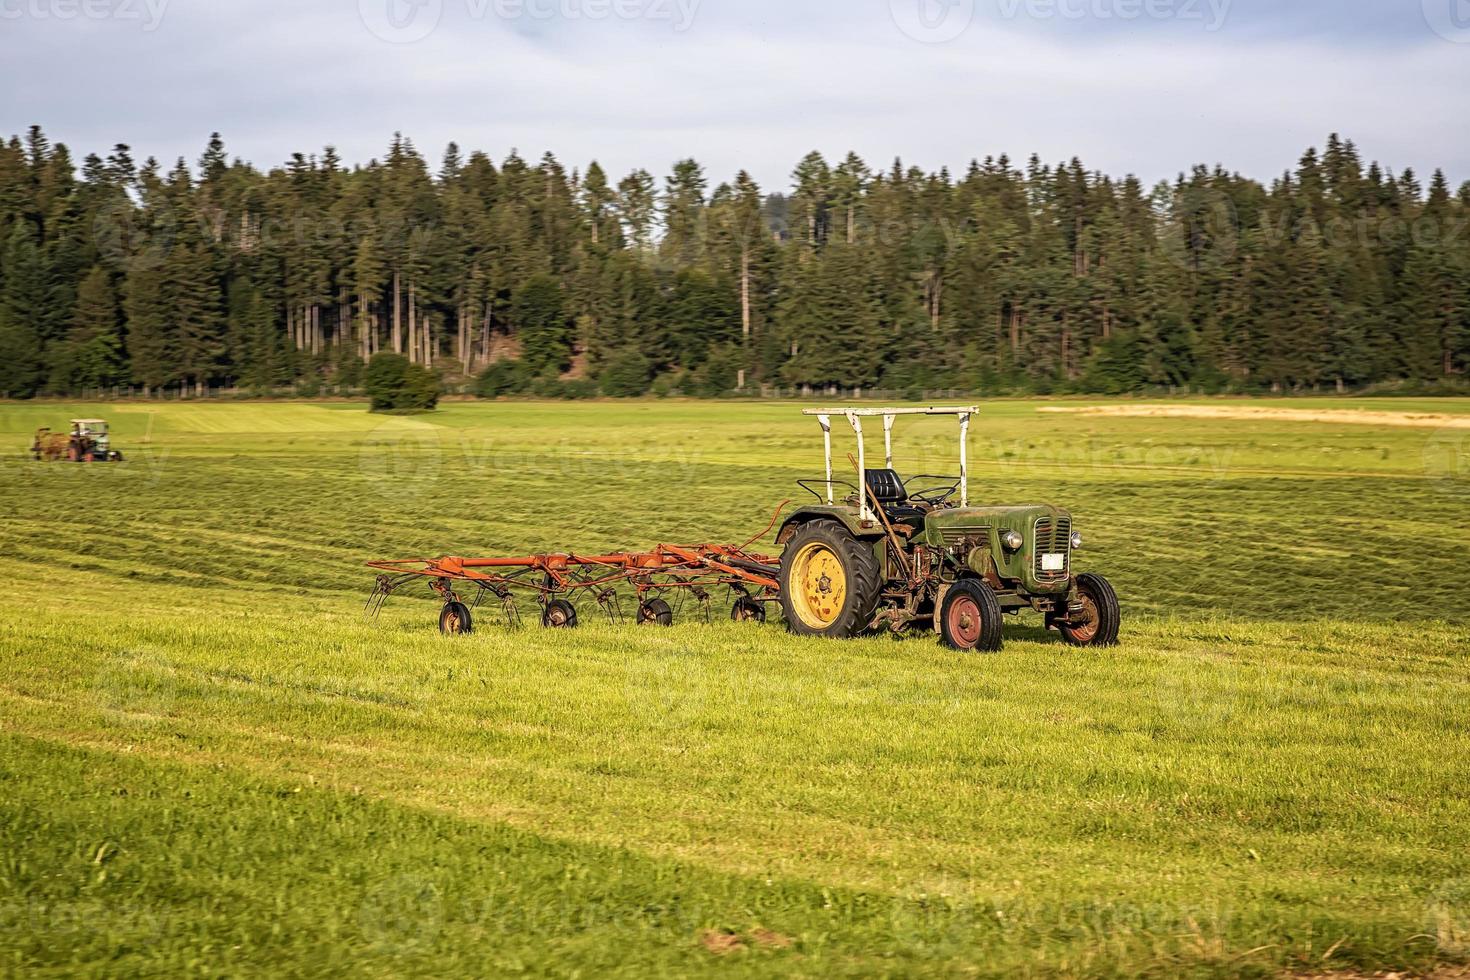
point(970, 618)
point(1101, 616)
point(455, 619)
point(829, 582)
point(560, 615)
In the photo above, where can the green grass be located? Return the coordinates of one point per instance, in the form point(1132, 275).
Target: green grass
point(210, 762)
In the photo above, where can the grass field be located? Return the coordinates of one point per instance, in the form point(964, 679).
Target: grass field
point(212, 763)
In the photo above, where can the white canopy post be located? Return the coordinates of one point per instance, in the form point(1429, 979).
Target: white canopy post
point(864, 512)
point(855, 416)
point(965, 459)
point(826, 422)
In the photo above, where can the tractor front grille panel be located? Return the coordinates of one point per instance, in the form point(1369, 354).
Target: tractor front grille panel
point(1053, 537)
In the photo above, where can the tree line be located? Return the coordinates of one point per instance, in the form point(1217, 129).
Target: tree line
point(1036, 278)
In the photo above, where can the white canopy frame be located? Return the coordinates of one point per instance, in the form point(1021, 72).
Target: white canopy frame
point(855, 418)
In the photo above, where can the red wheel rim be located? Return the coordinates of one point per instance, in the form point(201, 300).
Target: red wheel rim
point(963, 622)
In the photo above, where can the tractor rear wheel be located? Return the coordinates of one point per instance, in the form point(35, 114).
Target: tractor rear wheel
point(455, 619)
point(655, 612)
point(1101, 616)
point(560, 615)
point(829, 582)
point(970, 618)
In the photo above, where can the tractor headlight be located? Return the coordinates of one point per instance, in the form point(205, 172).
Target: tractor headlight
point(1076, 540)
point(1012, 540)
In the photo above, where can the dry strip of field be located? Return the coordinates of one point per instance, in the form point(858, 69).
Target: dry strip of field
point(1253, 413)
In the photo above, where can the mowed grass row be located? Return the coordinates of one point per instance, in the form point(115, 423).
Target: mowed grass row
point(199, 722)
point(1188, 517)
point(1281, 790)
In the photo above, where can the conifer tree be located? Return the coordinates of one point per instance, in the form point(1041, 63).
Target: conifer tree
point(93, 348)
point(23, 296)
point(1049, 276)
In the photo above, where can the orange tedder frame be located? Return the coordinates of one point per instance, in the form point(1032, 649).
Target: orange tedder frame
point(553, 579)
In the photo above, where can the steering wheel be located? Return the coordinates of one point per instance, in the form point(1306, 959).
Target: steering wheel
point(934, 496)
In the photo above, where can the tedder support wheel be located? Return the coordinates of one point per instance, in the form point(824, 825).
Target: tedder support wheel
point(455, 618)
point(655, 612)
point(559, 614)
point(829, 582)
point(1101, 615)
point(747, 610)
point(970, 618)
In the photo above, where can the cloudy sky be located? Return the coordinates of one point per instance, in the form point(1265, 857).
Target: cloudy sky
point(1131, 86)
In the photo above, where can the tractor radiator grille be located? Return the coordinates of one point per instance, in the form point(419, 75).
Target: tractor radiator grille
point(959, 534)
point(1053, 537)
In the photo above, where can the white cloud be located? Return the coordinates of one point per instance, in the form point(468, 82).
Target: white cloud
point(755, 92)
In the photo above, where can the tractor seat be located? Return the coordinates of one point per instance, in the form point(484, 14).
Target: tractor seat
point(888, 488)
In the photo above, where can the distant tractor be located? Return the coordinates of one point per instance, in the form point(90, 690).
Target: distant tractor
point(88, 442)
point(903, 553)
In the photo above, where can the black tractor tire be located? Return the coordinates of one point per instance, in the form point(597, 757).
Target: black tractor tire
point(823, 548)
point(970, 617)
point(455, 619)
point(747, 610)
point(559, 614)
point(655, 612)
point(1104, 614)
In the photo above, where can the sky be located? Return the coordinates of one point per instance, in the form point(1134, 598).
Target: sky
point(1147, 87)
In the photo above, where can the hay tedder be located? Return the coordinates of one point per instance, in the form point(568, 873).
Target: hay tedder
point(871, 553)
point(668, 571)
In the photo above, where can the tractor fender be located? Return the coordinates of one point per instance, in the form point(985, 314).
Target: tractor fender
point(841, 515)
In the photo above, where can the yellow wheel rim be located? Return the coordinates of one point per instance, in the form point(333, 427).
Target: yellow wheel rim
point(818, 585)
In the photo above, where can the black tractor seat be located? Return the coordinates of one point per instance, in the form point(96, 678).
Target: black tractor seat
point(888, 488)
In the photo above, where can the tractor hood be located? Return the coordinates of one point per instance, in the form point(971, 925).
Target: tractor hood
point(1010, 517)
point(1042, 563)
point(944, 526)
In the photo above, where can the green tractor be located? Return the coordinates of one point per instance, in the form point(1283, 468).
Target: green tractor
point(900, 554)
